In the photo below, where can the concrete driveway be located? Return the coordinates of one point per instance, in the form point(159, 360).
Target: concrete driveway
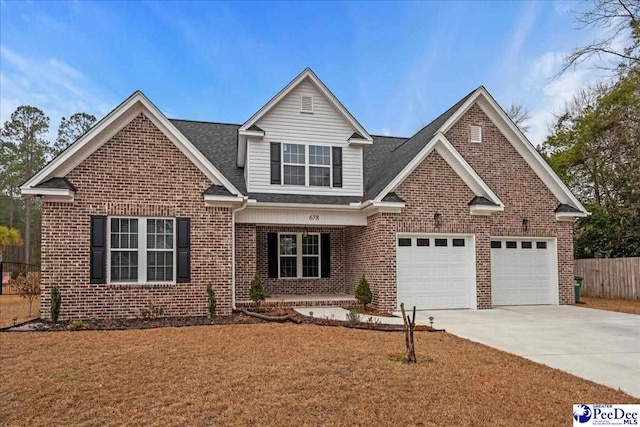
point(601, 346)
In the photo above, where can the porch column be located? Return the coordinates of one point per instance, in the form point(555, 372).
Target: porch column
point(245, 259)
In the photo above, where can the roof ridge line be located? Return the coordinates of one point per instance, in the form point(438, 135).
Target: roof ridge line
point(205, 121)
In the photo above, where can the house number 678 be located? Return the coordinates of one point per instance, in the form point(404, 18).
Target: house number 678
point(314, 217)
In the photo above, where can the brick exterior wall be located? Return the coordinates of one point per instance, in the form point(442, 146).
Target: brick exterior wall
point(138, 172)
point(330, 285)
point(434, 187)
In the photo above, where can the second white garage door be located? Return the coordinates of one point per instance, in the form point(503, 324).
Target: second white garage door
point(435, 272)
point(523, 271)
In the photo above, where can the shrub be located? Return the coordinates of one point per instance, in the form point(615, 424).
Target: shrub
point(56, 300)
point(256, 291)
point(76, 325)
point(354, 317)
point(152, 311)
point(28, 287)
point(212, 300)
point(363, 291)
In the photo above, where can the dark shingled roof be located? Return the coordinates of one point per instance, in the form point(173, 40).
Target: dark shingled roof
point(383, 164)
point(479, 200)
point(392, 197)
point(383, 160)
point(255, 129)
point(217, 190)
point(60, 183)
point(562, 207)
point(218, 143)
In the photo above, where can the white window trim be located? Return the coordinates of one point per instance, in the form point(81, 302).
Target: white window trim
point(306, 165)
point(142, 250)
point(299, 256)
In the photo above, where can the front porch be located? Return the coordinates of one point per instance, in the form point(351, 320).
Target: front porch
point(298, 266)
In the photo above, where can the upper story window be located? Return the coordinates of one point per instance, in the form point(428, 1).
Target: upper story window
point(302, 168)
point(293, 161)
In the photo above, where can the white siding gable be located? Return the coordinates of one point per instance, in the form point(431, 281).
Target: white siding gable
point(287, 124)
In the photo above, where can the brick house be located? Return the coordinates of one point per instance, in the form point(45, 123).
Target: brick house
point(143, 210)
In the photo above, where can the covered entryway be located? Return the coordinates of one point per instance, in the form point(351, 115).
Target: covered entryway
point(523, 271)
point(436, 271)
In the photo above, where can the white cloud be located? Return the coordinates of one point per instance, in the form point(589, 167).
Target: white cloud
point(52, 85)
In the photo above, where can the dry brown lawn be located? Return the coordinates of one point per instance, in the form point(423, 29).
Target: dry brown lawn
point(276, 374)
point(14, 306)
point(621, 305)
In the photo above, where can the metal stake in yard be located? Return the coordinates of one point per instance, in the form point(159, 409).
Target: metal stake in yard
point(409, 326)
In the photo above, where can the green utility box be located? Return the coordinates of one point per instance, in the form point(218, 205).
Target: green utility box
point(577, 284)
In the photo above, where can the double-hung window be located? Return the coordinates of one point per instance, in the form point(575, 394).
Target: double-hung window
point(141, 250)
point(320, 165)
point(293, 161)
point(299, 255)
point(306, 166)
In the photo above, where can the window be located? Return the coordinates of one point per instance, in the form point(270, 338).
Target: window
point(159, 250)
point(422, 242)
point(124, 249)
point(319, 165)
point(541, 245)
point(404, 242)
point(141, 250)
point(496, 244)
point(300, 167)
point(441, 242)
point(458, 242)
point(299, 260)
point(526, 245)
point(293, 164)
point(512, 245)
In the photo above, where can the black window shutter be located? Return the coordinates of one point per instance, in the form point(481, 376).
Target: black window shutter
point(275, 163)
point(272, 254)
point(98, 257)
point(183, 274)
point(325, 255)
point(337, 166)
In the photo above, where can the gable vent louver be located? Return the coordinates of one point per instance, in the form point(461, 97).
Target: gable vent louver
point(476, 134)
point(306, 104)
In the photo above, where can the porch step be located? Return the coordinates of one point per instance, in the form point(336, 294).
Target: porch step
point(286, 301)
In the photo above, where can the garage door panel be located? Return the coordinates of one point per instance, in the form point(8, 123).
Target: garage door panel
point(433, 276)
point(522, 275)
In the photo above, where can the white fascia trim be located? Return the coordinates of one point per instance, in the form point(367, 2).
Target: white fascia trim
point(440, 143)
point(113, 123)
point(251, 133)
point(253, 204)
point(570, 216)
point(54, 192)
point(359, 141)
point(548, 176)
point(325, 91)
point(216, 198)
point(485, 209)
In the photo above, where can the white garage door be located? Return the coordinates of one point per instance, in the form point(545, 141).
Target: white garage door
point(435, 271)
point(523, 272)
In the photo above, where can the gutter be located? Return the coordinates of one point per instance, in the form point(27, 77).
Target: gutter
point(233, 251)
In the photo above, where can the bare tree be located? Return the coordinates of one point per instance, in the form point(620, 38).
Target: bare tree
point(619, 41)
point(519, 114)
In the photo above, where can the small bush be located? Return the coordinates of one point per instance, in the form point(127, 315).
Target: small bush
point(353, 316)
point(76, 325)
point(212, 300)
point(363, 292)
point(56, 300)
point(28, 287)
point(152, 312)
point(256, 291)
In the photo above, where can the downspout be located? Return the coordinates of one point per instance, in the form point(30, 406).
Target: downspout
point(233, 251)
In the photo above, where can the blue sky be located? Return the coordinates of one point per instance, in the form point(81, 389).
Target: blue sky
point(395, 66)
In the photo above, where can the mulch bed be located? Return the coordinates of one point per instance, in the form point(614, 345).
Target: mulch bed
point(237, 318)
